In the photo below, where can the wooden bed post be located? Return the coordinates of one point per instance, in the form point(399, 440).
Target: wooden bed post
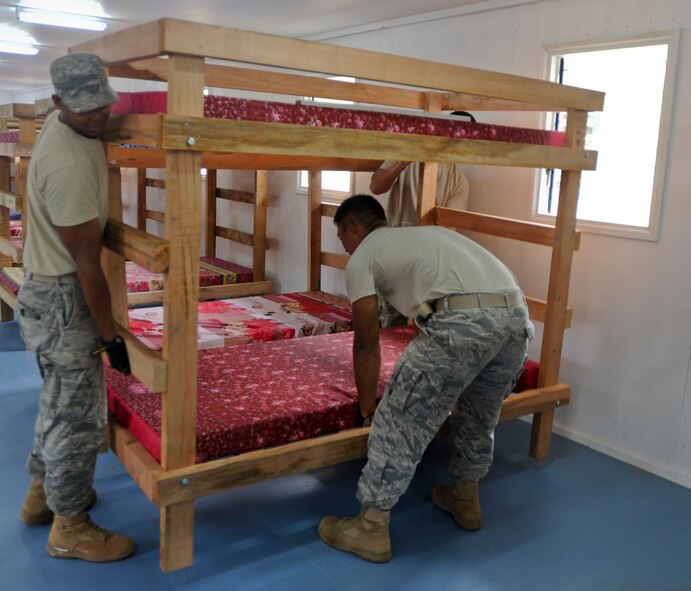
point(141, 199)
point(261, 196)
point(211, 208)
point(6, 312)
point(314, 231)
point(181, 295)
point(114, 264)
point(559, 280)
point(427, 190)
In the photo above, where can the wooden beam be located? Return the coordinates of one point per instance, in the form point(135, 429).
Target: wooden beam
point(235, 195)
point(140, 130)
point(498, 226)
point(144, 249)
point(135, 42)
point(236, 236)
point(260, 242)
point(528, 402)
point(211, 211)
point(213, 41)
point(155, 158)
point(10, 249)
point(10, 200)
point(208, 292)
point(113, 264)
point(332, 259)
point(538, 311)
point(226, 474)
point(157, 216)
point(328, 209)
point(17, 111)
point(143, 468)
point(147, 365)
point(276, 138)
point(314, 230)
point(155, 183)
point(141, 198)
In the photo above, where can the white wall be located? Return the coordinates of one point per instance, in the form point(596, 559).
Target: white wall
point(627, 354)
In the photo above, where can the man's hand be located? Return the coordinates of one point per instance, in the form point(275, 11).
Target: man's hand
point(117, 355)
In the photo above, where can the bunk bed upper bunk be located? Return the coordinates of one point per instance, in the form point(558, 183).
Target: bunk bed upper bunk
point(185, 139)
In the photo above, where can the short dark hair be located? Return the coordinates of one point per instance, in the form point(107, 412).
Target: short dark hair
point(363, 208)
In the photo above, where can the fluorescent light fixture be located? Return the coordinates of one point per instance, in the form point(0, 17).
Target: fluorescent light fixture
point(60, 19)
point(18, 48)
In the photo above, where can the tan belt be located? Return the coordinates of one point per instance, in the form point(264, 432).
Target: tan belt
point(68, 279)
point(469, 301)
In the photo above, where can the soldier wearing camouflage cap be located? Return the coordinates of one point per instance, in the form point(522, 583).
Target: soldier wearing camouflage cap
point(65, 313)
point(471, 346)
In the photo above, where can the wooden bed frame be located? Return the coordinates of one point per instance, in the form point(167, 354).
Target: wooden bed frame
point(144, 160)
point(20, 117)
point(189, 141)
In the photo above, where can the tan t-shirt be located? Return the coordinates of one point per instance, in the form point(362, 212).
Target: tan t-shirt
point(411, 266)
point(68, 185)
point(452, 191)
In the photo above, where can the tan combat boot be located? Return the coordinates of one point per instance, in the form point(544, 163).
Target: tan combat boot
point(35, 511)
point(366, 535)
point(462, 501)
point(79, 537)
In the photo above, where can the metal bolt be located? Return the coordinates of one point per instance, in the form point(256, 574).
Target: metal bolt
point(191, 141)
point(185, 481)
point(113, 162)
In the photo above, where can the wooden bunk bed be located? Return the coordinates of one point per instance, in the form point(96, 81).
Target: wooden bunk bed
point(187, 139)
point(18, 125)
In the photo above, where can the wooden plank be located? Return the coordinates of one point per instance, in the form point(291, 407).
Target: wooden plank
point(457, 101)
point(332, 259)
point(538, 311)
point(211, 211)
point(141, 465)
point(329, 209)
point(269, 50)
point(141, 198)
point(155, 158)
point(498, 226)
point(180, 297)
point(113, 264)
point(17, 110)
point(261, 244)
point(144, 249)
point(9, 248)
point(155, 183)
point(275, 82)
point(276, 138)
point(147, 365)
point(157, 216)
point(559, 281)
point(235, 236)
point(427, 182)
point(135, 42)
point(7, 199)
point(314, 231)
point(8, 303)
point(10, 200)
point(209, 292)
point(537, 400)
point(140, 130)
point(256, 466)
point(235, 195)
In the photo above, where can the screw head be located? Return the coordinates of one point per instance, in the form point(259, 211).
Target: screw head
point(191, 141)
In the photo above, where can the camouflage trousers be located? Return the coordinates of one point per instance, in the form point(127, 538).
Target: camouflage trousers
point(461, 366)
point(57, 326)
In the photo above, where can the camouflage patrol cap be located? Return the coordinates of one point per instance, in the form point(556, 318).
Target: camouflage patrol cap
point(81, 82)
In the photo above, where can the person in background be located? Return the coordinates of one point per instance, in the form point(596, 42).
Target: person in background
point(402, 179)
point(471, 346)
point(65, 314)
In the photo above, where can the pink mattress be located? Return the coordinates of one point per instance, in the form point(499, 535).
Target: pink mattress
point(212, 271)
point(266, 394)
point(275, 112)
point(240, 321)
point(261, 395)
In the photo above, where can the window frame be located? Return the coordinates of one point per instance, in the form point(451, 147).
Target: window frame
point(671, 38)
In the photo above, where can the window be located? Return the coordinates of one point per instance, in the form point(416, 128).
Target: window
point(623, 196)
point(336, 184)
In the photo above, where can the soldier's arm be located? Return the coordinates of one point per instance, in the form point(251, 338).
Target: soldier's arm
point(366, 354)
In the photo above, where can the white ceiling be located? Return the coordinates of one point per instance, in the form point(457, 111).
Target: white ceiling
point(301, 18)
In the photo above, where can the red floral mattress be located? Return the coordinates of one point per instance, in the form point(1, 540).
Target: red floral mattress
point(266, 394)
point(212, 271)
point(9, 137)
point(221, 107)
point(239, 321)
point(12, 278)
point(261, 395)
point(16, 228)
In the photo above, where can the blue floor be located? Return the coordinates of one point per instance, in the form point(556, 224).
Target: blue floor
point(577, 521)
